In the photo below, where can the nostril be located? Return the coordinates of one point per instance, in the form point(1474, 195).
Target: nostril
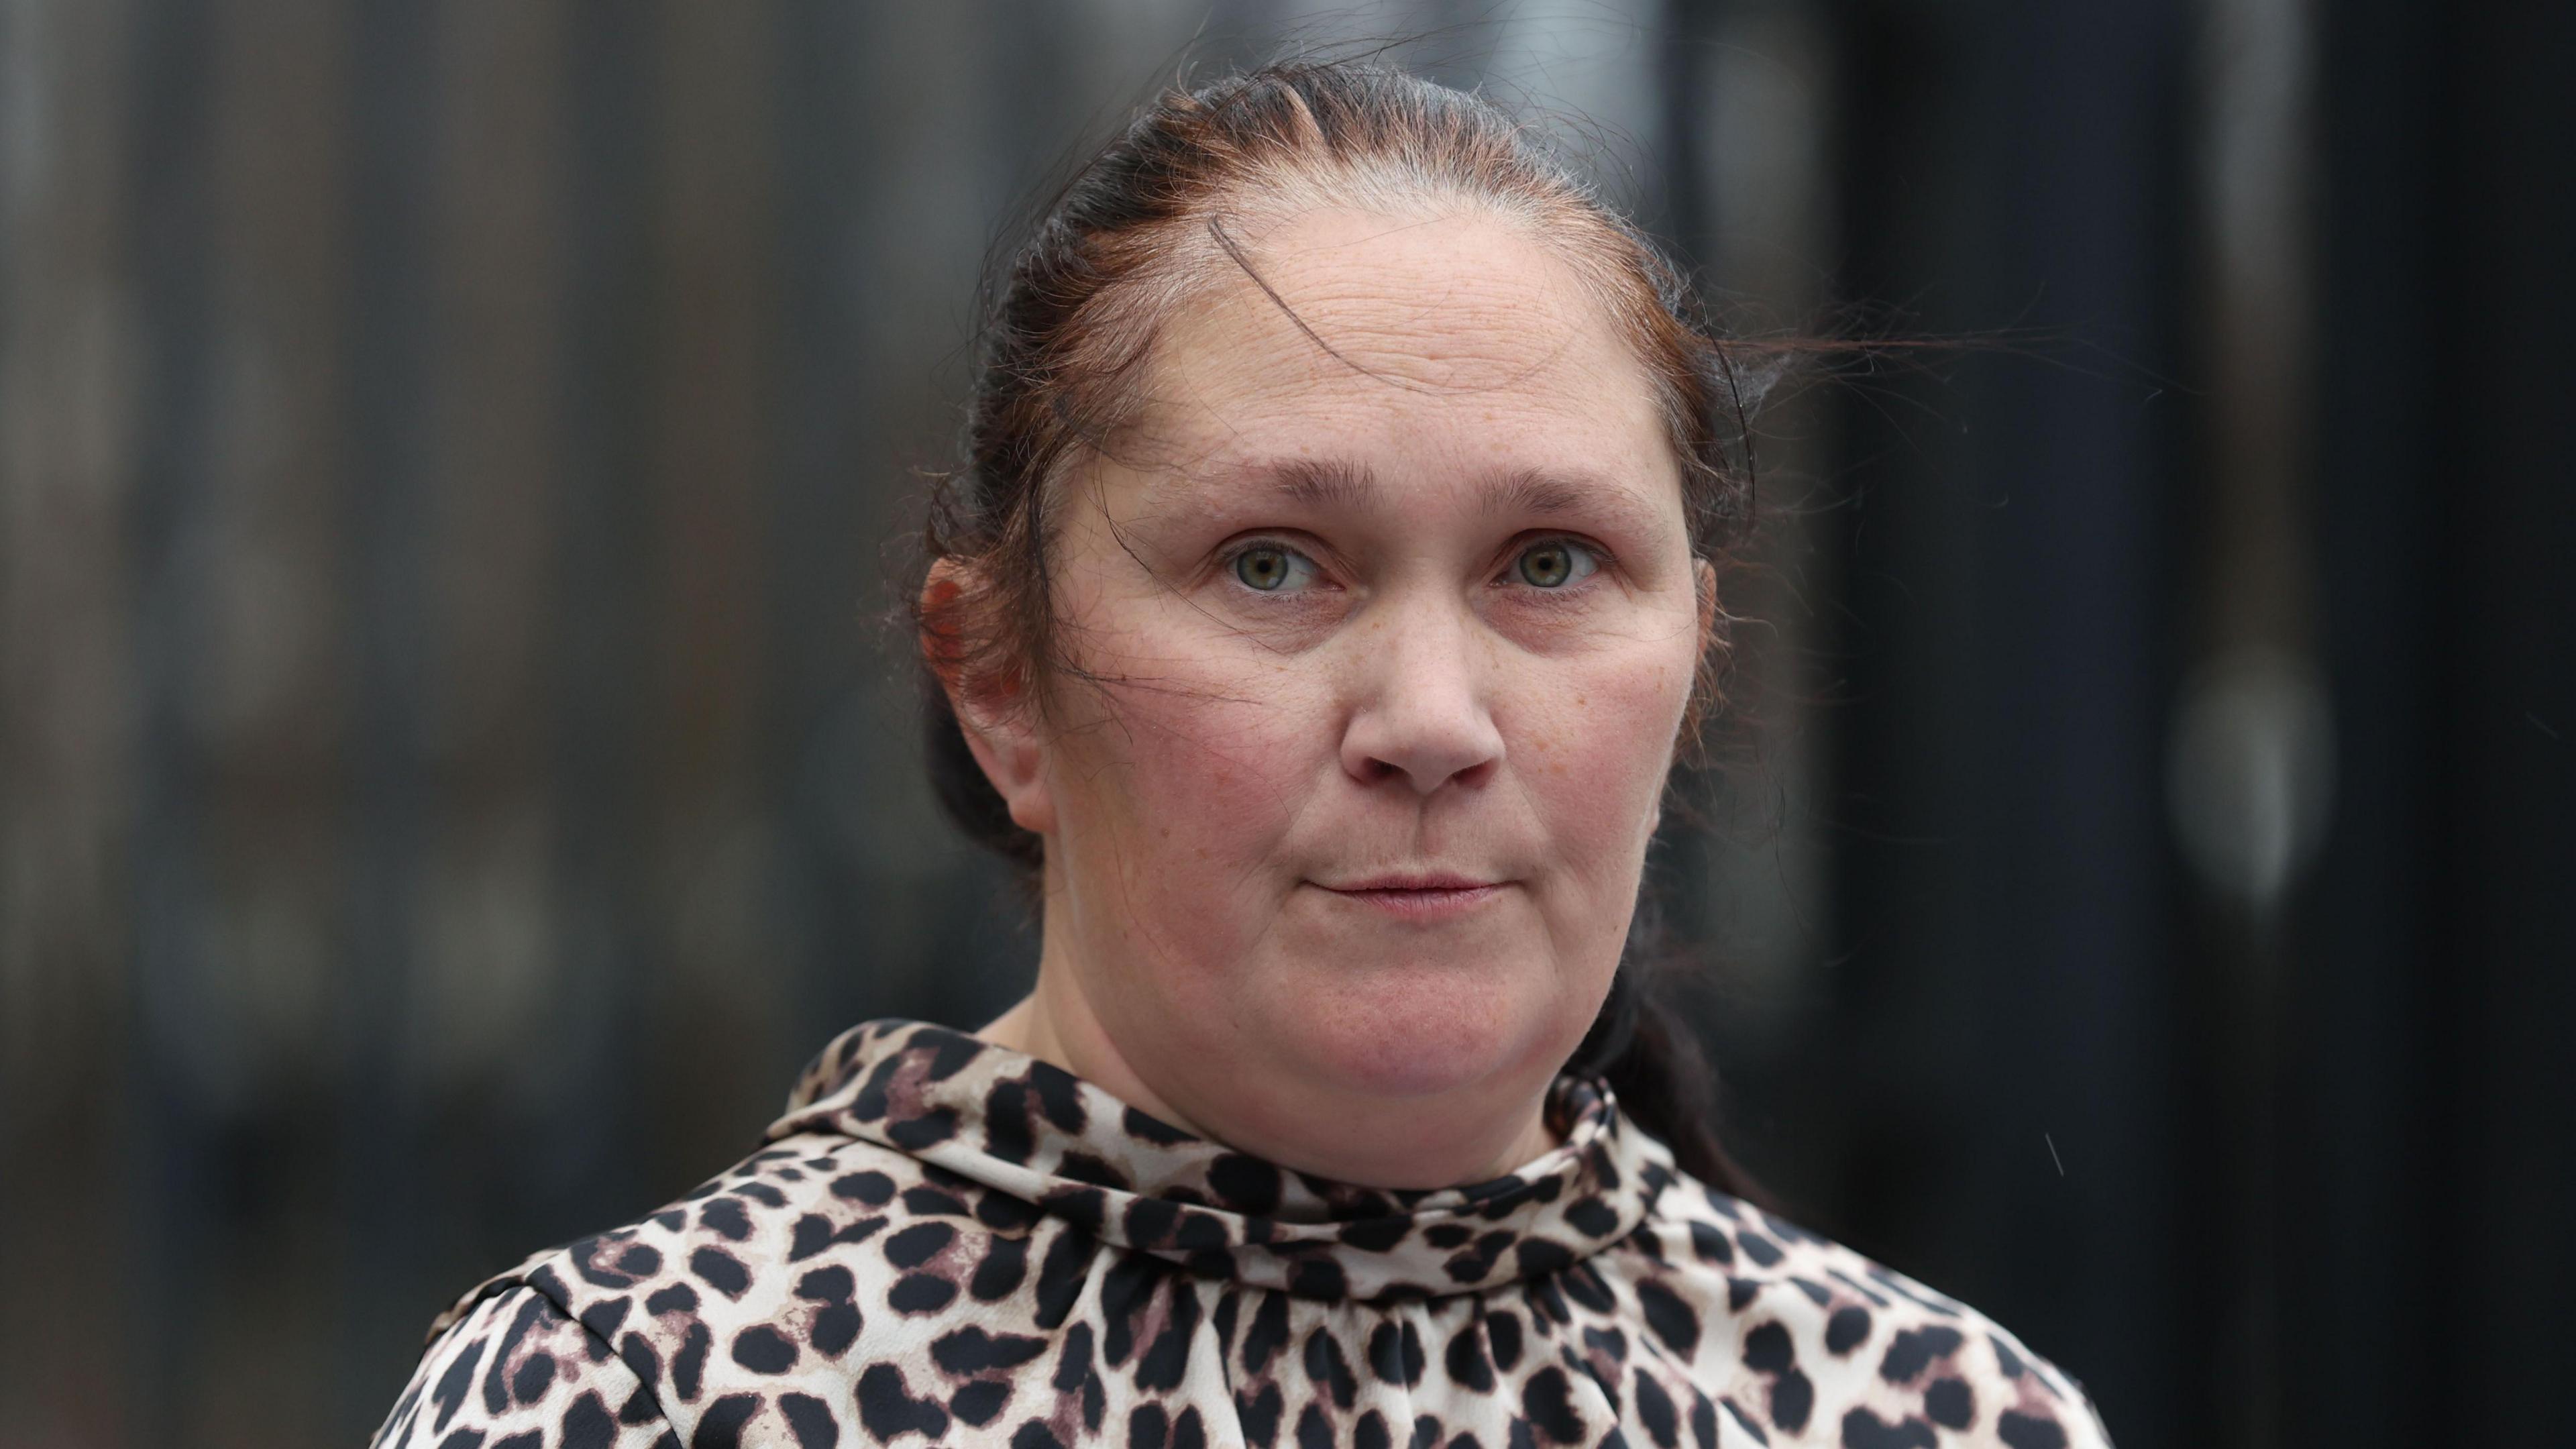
point(1427, 777)
point(1422, 719)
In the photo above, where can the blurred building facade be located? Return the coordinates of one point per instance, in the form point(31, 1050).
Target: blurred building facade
point(454, 459)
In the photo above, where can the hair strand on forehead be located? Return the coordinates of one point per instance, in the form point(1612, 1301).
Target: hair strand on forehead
point(1234, 252)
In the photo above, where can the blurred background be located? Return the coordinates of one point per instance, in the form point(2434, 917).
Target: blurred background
point(451, 452)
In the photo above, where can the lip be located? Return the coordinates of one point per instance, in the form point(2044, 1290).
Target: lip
point(1426, 897)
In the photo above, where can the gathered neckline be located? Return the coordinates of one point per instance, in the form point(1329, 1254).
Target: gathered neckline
point(1061, 1146)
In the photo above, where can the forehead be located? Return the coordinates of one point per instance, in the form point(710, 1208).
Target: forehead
point(1417, 340)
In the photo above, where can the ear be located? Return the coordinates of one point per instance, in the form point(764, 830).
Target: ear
point(993, 709)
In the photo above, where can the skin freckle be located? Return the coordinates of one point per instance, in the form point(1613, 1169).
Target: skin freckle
point(1493, 770)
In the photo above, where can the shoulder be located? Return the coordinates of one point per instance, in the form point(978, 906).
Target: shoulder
point(513, 1370)
point(1808, 1333)
point(765, 1294)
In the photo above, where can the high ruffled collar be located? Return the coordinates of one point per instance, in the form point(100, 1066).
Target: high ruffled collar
point(1008, 1121)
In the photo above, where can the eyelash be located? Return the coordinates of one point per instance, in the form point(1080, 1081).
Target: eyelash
point(1601, 563)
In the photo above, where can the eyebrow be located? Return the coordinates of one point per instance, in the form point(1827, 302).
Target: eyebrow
point(1306, 482)
point(1532, 491)
point(1340, 483)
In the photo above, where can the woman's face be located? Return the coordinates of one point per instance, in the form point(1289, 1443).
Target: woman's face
point(1393, 648)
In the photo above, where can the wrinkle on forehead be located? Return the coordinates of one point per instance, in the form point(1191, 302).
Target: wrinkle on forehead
point(1458, 302)
point(1449, 346)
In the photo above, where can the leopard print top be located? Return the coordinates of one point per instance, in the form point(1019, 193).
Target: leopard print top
point(947, 1242)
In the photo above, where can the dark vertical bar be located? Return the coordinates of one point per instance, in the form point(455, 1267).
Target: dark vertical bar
point(823, 574)
point(2434, 1096)
point(1900, 546)
point(391, 95)
point(1676, 212)
point(2007, 1011)
point(2074, 670)
point(1682, 210)
point(2364, 1363)
point(583, 1164)
point(173, 1149)
point(823, 185)
point(2504, 951)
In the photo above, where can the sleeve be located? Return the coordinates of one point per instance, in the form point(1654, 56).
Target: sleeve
point(516, 1372)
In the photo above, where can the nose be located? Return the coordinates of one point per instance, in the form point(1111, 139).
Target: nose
point(1421, 714)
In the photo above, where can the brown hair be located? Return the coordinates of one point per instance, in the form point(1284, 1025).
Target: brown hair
point(1069, 326)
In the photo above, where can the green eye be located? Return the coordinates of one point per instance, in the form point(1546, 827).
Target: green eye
point(1268, 567)
point(1555, 563)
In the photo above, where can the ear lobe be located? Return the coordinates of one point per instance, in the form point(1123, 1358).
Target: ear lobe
point(1006, 745)
point(1000, 727)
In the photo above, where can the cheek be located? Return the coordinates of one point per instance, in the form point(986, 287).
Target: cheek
point(1596, 743)
point(1191, 783)
point(1175, 808)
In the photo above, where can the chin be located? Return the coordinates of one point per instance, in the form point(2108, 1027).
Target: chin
point(1419, 1032)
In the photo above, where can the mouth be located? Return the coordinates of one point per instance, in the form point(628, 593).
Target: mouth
point(1418, 897)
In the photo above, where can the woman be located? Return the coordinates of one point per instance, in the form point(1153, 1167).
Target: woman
point(1332, 589)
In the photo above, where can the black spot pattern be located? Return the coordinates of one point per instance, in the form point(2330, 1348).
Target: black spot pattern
point(721, 1271)
point(763, 1350)
point(889, 1411)
point(1950, 1403)
point(2029, 1431)
point(1073, 1272)
point(1670, 1318)
point(1548, 1399)
point(1913, 1350)
point(1846, 1330)
point(1865, 1430)
point(810, 1420)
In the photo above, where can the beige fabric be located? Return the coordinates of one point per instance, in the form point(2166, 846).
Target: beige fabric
point(945, 1242)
